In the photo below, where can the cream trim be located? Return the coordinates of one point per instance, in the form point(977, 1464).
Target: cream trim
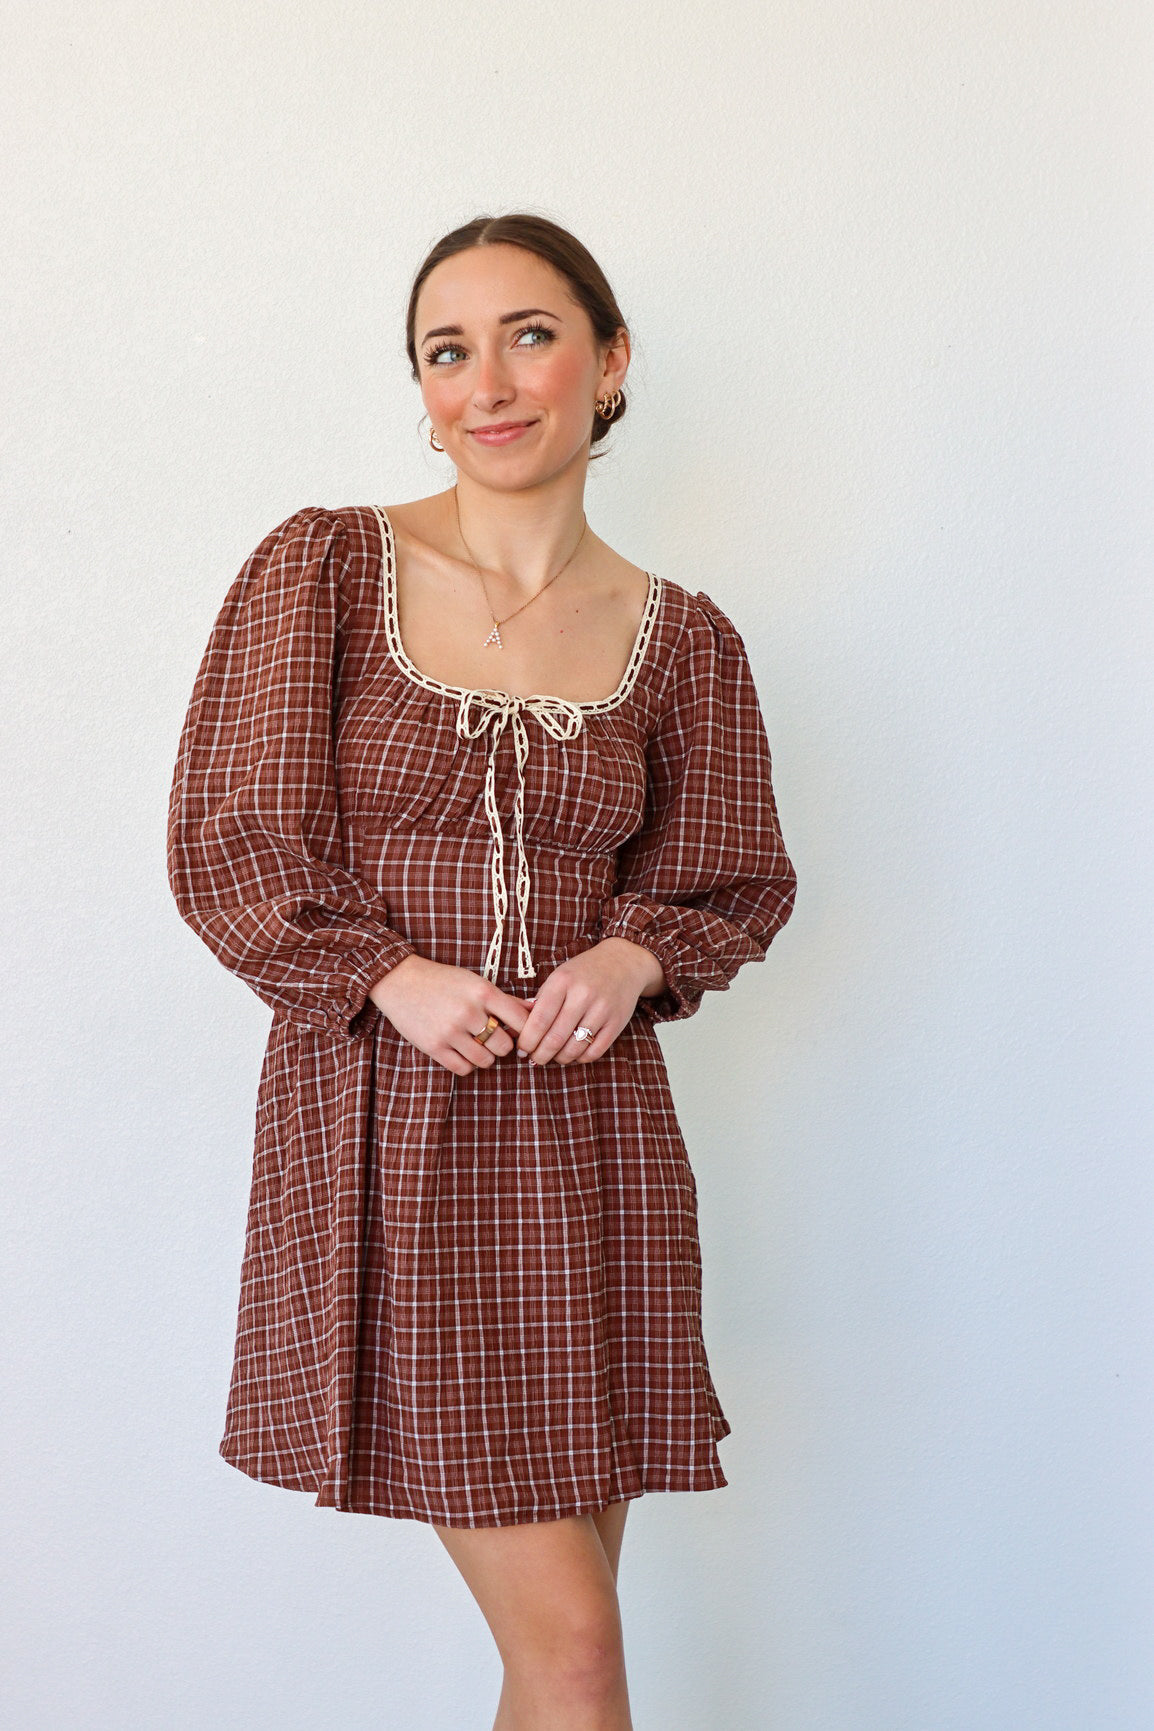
point(400, 655)
point(492, 711)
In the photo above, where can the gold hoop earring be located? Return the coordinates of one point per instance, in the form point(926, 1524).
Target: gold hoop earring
point(433, 439)
point(607, 406)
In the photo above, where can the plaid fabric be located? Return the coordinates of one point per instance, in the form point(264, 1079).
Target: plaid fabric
point(475, 1300)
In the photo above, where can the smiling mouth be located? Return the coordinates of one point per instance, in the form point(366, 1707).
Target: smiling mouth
point(503, 427)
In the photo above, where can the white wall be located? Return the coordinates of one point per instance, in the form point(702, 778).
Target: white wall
point(889, 272)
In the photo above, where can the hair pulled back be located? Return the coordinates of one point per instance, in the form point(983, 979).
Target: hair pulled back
point(569, 258)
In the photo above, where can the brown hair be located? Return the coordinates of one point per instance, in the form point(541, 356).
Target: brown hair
point(587, 281)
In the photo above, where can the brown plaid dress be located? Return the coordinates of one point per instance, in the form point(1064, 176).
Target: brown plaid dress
point(470, 1300)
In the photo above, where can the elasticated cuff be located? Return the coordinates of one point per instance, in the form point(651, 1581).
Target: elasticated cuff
point(639, 921)
point(355, 1014)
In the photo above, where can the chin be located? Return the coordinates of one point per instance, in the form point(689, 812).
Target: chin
point(504, 470)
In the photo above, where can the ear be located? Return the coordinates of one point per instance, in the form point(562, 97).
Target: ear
point(615, 364)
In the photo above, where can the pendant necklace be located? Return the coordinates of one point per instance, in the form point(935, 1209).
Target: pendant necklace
point(494, 636)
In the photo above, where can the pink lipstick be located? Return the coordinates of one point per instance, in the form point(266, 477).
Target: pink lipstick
point(503, 434)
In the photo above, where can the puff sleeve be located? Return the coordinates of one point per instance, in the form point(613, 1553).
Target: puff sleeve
point(254, 843)
point(706, 883)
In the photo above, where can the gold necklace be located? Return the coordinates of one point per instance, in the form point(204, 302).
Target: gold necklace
point(494, 636)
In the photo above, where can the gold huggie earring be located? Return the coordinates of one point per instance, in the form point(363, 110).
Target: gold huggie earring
point(433, 438)
point(606, 406)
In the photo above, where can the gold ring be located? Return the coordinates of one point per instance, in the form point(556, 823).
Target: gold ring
point(486, 1030)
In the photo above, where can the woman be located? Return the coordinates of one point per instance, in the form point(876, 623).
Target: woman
point(472, 802)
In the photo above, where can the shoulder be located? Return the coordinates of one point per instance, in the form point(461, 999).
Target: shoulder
point(323, 543)
point(317, 567)
point(705, 674)
point(699, 622)
point(293, 552)
point(316, 529)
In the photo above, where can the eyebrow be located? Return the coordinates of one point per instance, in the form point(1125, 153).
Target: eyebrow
point(505, 319)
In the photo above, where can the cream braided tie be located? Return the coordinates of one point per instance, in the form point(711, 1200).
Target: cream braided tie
point(477, 711)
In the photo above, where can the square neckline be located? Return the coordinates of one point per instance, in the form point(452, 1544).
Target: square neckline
point(400, 654)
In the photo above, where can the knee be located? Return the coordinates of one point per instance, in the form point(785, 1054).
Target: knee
point(584, 1658)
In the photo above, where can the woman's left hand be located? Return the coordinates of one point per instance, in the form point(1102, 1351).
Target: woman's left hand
point(597, 989)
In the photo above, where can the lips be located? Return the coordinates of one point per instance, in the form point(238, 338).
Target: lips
point(501, 433)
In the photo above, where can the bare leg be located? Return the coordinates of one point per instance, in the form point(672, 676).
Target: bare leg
point(610, 1524)
point(548, 1592)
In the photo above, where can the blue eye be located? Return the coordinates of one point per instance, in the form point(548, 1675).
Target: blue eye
point(433, 356)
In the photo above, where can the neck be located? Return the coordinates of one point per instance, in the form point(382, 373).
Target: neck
point(523, 536)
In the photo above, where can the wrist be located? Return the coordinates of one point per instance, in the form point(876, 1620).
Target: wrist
point(379, 990)
point(650, 973)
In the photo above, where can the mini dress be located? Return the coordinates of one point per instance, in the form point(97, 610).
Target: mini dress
point(476, 1300)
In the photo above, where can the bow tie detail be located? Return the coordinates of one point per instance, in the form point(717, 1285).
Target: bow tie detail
point(495, 710)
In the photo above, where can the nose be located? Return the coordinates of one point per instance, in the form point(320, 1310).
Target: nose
point(491, 384)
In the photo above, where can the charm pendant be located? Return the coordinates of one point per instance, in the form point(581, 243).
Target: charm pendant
point(494, 637)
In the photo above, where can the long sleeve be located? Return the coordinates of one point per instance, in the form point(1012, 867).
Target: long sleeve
point(255, 853)
point(706, 883)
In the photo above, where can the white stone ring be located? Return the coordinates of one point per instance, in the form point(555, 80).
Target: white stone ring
point(582, 1033)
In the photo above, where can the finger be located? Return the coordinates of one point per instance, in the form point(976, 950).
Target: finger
point(546, 1008)
point(556, 1010)
point(473, 1025)
point(513, 1012)
point(483, 1054)
point(559, 1034)
point(571, 1048)
point(483, 1061)
point(598, 1045)
point(540, 1041)
point(576, 1051)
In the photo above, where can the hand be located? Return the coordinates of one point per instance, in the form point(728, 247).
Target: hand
point(598, 989)
point(438, 1009)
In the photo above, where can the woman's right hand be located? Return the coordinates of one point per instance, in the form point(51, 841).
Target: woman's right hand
point(439, 1009)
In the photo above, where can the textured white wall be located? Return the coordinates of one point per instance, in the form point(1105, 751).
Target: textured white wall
point(889, 271)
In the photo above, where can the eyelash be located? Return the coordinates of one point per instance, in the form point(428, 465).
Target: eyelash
point(443, 348)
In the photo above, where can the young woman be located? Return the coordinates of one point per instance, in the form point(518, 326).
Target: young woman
point(472, 802)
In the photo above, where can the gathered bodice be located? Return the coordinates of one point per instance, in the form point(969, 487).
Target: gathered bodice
point(572, 799)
